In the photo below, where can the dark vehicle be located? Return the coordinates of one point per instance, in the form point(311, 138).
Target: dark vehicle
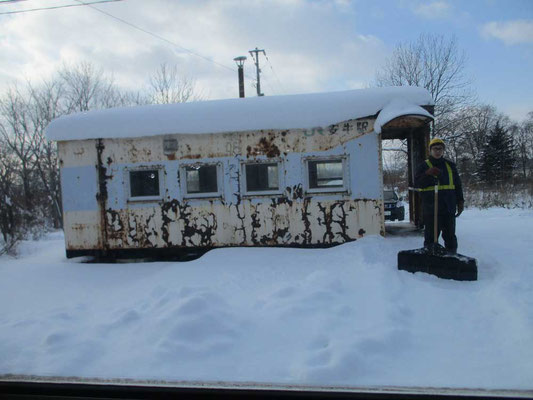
point(394, 209)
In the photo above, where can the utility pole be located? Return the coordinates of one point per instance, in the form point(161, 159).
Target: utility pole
point(256, 59)
point(240, 63)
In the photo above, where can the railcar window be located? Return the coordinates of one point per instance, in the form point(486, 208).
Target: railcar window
point(325, 174)
point(262, 177)
point(144, 183)
point(201, 179)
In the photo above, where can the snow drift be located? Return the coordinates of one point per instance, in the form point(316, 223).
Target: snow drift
point(339, 316)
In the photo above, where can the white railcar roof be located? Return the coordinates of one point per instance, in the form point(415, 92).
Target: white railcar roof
point(301, 111)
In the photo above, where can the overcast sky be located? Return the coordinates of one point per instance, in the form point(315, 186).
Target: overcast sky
point(311, 45)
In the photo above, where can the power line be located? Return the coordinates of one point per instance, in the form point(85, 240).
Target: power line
point(155, 35)
point(275, 75)
point(10, 1)
point(51, 8)
point(81, 3)
point(268, 84)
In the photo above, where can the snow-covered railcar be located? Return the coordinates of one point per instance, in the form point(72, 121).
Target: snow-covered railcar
point(299, 170)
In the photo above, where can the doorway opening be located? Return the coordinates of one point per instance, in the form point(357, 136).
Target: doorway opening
point(404, 147)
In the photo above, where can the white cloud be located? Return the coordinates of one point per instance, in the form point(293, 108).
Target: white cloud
point(309, 45)
point(435, 9)
point(510, 32)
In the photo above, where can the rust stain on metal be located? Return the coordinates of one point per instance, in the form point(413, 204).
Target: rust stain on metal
point(281, 233)
point(242, 227)
point(265, 146)
point(150, 233)
point(170, 206)
point(132, 231)
point(255, 225)
point(177, 224)
point(326, 222)
point(307, 234)
point(203, 227)
point(342, 221)
point(101, 196)
point(298, 192)
point(115, 228)
point(269, 148)
point(290, 218)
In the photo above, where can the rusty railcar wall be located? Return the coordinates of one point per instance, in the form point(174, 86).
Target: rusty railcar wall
point(99, 215)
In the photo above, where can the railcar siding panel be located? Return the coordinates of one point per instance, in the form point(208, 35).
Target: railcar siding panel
point(302, 223)
point(291, 216)
point(82, 230)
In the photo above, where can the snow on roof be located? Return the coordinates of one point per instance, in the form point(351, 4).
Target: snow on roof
point(252, 113)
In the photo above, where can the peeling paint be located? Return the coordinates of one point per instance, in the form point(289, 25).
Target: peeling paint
point(290, 217)
point(101, 196)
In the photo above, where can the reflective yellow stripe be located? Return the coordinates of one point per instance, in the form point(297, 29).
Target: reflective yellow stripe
point(450, 186)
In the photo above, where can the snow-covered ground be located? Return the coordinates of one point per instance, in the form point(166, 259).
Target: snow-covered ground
point(339, 316)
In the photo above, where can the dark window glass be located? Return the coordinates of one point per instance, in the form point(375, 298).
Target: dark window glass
point(325, 174)
point(389, 195)
point(144, 183)
point(202, 179)
point(261, 177)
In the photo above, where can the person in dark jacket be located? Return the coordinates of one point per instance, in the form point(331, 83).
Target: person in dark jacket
point(437, 170)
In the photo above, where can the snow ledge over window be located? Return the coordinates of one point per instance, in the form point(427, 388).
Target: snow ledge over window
point(300, 111)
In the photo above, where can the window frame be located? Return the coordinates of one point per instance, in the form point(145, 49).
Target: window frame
point(208, 195)
point(345, 174)
point(146, 167)
point(257, 193)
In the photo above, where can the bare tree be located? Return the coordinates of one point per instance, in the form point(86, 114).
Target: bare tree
point(16, 130)
point(47, 104)
point(29, 178)
point(167, 86)
point(86, 87)
point(8, 198)
point(475, 124)
point(394, 164)
point(435, 63)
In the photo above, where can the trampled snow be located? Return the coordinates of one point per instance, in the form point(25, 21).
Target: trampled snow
point(302, 111)
point(338, 316)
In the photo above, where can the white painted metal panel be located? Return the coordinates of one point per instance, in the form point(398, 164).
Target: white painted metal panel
point(293, 216)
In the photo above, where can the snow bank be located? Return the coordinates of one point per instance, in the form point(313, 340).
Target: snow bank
point(339, 316)
point(233, 115)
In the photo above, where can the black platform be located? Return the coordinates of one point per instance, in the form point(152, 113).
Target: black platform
point(437, 261)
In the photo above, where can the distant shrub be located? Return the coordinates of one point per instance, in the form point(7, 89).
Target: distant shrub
point(507, 195)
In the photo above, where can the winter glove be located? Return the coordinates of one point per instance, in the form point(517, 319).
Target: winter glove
point(460, 208)
point(433, 171)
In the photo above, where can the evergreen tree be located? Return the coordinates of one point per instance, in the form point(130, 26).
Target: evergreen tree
point(497, 158)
